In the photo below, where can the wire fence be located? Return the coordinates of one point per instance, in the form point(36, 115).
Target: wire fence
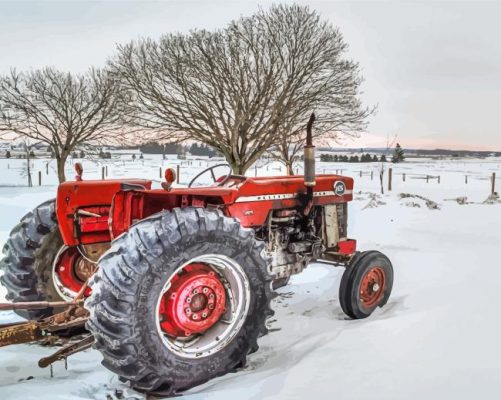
point(368, 175)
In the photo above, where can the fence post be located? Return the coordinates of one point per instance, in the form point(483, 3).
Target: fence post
point(439, 179)
point(466, 179)
point(106, 171)
point(372, 175)
point(102, 173)
point(427, 178)
point(160, 171)
point(178, 169)
point(47, 168)
point(39, 178)
point(493, 183)
point(403, 177)
point(390, 176)
point(360, 173)
point(255, 170)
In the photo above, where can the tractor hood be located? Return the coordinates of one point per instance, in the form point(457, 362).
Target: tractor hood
point(82, 208)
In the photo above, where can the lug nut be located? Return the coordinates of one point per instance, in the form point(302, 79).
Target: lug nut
point(188, 300)
point(211, 306)
point(188, 311)
point(375, 287)
point(211, 296)
point(205, 290)
point(195, 291)
point(204, 315)
point(195, 316)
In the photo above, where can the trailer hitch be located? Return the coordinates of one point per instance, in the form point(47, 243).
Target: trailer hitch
point(67, 351)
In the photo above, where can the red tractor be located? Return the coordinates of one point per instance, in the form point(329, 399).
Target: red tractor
point(174, 285)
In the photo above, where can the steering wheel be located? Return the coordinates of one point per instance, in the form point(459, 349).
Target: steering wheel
point(218, 182)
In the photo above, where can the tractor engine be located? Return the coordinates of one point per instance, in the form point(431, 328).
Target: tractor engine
point(293, 240)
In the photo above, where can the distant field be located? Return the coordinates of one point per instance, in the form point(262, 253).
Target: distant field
point(468, 177)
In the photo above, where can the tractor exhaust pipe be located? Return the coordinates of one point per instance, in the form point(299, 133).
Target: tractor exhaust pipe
point(309, 156)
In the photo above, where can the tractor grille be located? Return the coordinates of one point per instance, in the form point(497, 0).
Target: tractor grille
point(342, 219)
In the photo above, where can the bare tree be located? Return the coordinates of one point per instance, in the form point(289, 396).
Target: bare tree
point(326, 81)
point(245, 88)
point(60, 109)
point(28, 153)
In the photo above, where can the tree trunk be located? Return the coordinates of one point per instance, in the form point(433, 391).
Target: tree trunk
point(28, 168)
point(61, 161)
point(236, 168)
point(290, 170)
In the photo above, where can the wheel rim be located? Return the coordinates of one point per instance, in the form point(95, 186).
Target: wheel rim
point(202, 306)
point(69, 272)
point(372, 286)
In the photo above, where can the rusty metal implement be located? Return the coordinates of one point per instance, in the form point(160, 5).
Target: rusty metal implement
point(31, 331)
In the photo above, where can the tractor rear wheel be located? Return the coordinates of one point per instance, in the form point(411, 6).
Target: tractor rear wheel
point(179, 299)
point(28, 258)
point(38, 266)
point(366, 284)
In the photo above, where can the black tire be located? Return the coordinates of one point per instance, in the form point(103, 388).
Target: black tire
point(129, 281)
point(28, 256)
point(280, 282)
point(349, 290)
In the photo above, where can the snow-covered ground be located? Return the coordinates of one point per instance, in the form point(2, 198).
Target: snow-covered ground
point(437, 338)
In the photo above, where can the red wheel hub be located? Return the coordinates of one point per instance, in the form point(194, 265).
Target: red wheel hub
point(372, 286)
point(194, 302)
point(72, 270)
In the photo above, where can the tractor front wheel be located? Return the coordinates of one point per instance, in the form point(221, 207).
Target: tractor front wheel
point(366, 284)
point(179, 299)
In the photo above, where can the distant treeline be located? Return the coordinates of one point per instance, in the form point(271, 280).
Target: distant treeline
point(456, 153)
point(172, 148)
point(344, 158)
point(421, 152)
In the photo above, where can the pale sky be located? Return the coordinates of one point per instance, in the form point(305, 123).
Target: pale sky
point(433, 68)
